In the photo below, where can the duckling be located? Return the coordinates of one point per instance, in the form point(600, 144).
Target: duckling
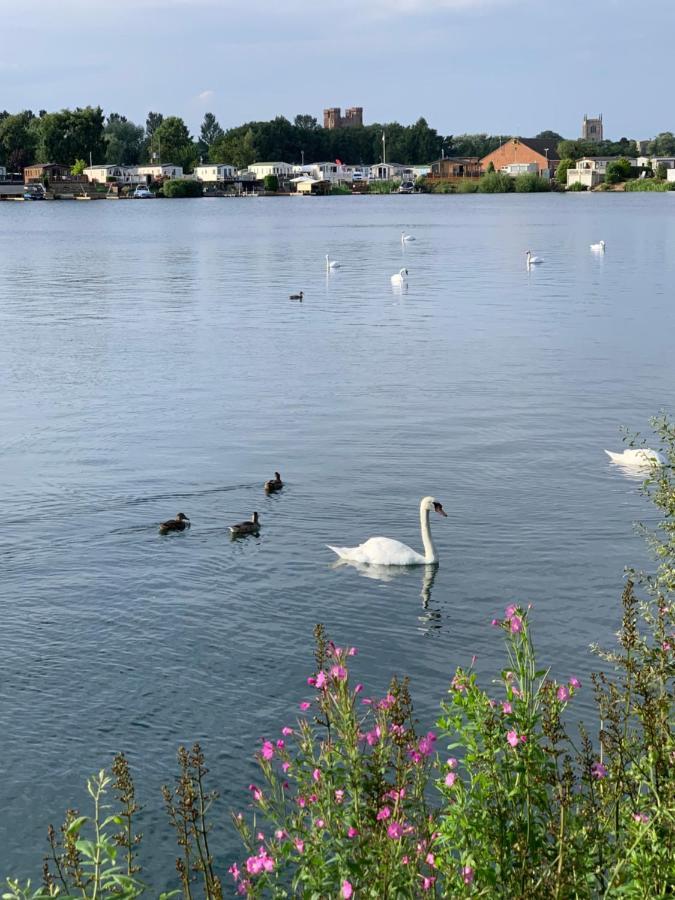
point(274, 484)
point(297, 296)
point(243, 528)
point(180, 523)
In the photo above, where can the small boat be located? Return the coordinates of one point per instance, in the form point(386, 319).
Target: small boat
point(34, 194)
point(143, 193)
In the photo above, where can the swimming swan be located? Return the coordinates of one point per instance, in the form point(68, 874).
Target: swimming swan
point(331, 263)
point(641, 457)
point(406, 238)
point(599, 247)
point(533, 260)
point(381, 551)
point(401, 278)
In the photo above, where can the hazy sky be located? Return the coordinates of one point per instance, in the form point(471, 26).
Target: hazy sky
point(502, 66)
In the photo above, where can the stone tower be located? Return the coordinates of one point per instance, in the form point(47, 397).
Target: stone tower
point(333, 118)
point(591, 130)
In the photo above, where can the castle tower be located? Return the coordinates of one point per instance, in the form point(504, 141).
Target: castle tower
point(591, 129)
point(333, 118)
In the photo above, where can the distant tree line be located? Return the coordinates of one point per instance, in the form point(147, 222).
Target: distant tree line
point(69, 136)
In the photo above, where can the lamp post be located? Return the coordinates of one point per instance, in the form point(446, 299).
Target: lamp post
point(547, 168)
point(302, 155)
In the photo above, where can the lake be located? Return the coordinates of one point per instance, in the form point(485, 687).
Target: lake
point(152, 363)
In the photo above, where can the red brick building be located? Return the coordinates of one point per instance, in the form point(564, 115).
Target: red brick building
point(519, 152)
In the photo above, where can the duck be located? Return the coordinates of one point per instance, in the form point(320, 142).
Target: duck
point(533, 260)
point(180, 523)
point(636, 457)
point(274, 484)
point(401, 278)
point(243, 528)
point(331, 263)
point(406, 238)
point(599, 247)
point(382, 551)
point(296, 296)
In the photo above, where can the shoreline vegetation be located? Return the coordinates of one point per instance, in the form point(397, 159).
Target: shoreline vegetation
point(353, 800)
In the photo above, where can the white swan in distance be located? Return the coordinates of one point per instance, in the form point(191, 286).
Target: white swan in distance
point(406, 238)
point(331, 263)
point(381, 551)
point(599, 247)
point(401, 278)
point(533, 260)
point(640, 457)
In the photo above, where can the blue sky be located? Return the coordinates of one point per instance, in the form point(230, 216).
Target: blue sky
point(502, 66)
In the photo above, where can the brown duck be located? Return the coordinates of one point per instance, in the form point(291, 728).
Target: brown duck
point(274, 484)
point(180, 523)
point(243, 528)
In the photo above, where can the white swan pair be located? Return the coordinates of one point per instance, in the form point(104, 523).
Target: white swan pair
point(400, 278)
point(381, 551)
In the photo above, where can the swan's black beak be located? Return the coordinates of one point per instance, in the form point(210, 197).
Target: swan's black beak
point(439, 509)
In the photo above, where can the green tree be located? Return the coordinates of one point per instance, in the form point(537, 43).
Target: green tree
point(476, 144)
point(306, 123)
point(491, 167)
point(209, 133)
point(662, 145)
point(78, 167)
point(171, 139)
point(69, 135)
point(561, 171)
point(617, 170)
point(152, 123)
point(661, 172)
point(179, 187)
point(552, 136)
point(123, 141)
point(577, 149)
point(271, 183)
point(18, 141)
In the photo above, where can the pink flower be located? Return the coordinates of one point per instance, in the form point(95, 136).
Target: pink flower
point(506, 708)
point(387, 701)
point(563, 694)
point(516, 624)
point(321, 680)
point(598, 771)
point(574, 683)
point(286, 731)
point(467, 874)
point(299, 845)
point(267, 750)
point(280, 834)
point(285, 766)
point(311, 681)
point(319, 823)
point(260, 836)
point(234, 871)
point(347, 889)
point(302, 803)
point(395, 831)
point(352, 651)
point(373, 737)
point(512, 738)
point(431, 860)
point(339, 795)
point(665, 645)
point(316, 774)
point(304, 706)
point(281, 744)
point(257, 793)
point(427, 883)
point(339, 672)
point(405, 860)
point(254, 865)
point(641, 817)
point(312, 798)
point(495, 623)
point(383, 814)
point(510, 610)
point(426, 745)
point(452, 763)
point(358, 688)
point(450, 779)
point(352, 832)
point(244, 887)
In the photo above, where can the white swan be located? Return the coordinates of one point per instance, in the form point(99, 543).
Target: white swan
point(406, 238)
point(640, 457)
point(533, 260)
point(331, 263)
point(599, 247)
point(401, 278)
point(381, 551)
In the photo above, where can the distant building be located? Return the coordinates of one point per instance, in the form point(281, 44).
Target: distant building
point(591, 170)
point(262, 169)
point(389, 172)
point(591, 129)
point(3, 173)
point(333, 118)
point(215, 172)
point(52, 171)
point(455, 168)
point(523, 155)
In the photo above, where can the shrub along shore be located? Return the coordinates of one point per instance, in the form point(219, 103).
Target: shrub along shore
point(498, 801)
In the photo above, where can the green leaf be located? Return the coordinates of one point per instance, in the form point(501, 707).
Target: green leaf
point(88, 848)
point(77, 824)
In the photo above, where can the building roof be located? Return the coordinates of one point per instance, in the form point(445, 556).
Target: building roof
point(540, 145)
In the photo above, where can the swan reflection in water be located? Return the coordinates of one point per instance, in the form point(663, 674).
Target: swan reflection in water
point(430, 619)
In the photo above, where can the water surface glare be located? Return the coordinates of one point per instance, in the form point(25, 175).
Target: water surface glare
point(151, 362)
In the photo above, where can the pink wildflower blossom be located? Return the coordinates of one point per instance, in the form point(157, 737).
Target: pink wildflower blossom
point(234, 871)
point(396, 729)
point(311, 681)
point(299, 845)
point(352, 832)
point(312, 798)
point(467, 875)
point(316, 774)
point(257, 793)
point(281, 744)
point(352, 651)
point(395, 831)
point(373, 737)
point(516, 625)
point(319, 823)
point(321, 680)
point(267, 750)
point(244, 887)
point(405, 860)
point(510, 610)
point(339, 795)
point(280, 834)
point(495, 623)
point(512, 738)
point(450, 779)
point(358, 688)
point(260, 836)
point(574, 683)
point(431, 860)
point(506, 708)
point(451, 763)
point(387, 701)
point(598, 771)
point(285, 766)
point(339, 672)
point(641, 817)
point(383, 814)
point(426, 745)
point(427, 883)
point(302, 803)
point(563, 694)
point(286, 731)
point(347, 889)
point(304, 706)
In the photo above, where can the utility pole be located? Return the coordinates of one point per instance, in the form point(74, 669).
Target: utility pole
point(384, 148)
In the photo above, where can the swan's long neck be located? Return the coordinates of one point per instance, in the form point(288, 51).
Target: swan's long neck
point(429, 549)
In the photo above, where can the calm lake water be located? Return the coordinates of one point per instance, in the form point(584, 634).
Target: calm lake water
point(151, 362)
